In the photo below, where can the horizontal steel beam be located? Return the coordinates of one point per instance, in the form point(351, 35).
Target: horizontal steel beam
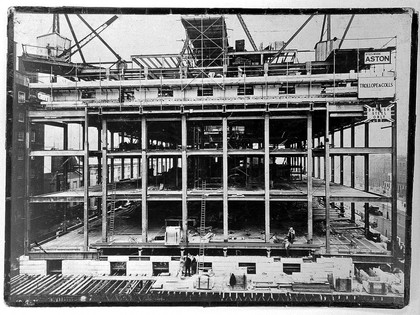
point(360, 151)
point(52, 114)
point(58, 153)
point(276, 80)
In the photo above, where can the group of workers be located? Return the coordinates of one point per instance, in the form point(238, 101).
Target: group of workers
point(187, 266)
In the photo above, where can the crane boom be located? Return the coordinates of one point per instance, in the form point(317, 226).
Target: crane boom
point(248, 34)
point(85, 40)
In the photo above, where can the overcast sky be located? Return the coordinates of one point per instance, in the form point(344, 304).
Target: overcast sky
point(145, 34)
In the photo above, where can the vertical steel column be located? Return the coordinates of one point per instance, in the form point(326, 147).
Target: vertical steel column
point(112, 158)
point(65, 172)
point(394, 188)
point(327, 180)
point(309, 176)
point(122, 158)
point(184, 176)
point(131, 160)
point(86, 183)
point(104, 177)
point(27, 238)
point(366, 179)
point(342, 164)
point(319, 160)
point(332, 159)
point(225, 179)
point(99, 176)
point(267, 175)
point(144, 171)
point(352, 174)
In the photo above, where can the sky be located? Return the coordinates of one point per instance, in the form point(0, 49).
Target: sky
point(146, 34)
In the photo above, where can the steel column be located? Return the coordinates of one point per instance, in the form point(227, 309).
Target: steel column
point(352, 174)
point(65, 172)
point(225, 178)
point(86, 183)
point(366, 178)
point(104, 177)
point(27, 241)
point(184, 176)
point(267, 175)
point(112, 159)
point(309, 176)
point(342, 164)
point(144, 171)
point(327, 180)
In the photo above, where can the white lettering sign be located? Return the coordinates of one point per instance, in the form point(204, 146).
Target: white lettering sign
point(377, 57)
point(376, 87)
point(379, 113)
point(43, 97)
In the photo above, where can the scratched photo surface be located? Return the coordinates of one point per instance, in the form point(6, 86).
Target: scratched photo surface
point(209, 157)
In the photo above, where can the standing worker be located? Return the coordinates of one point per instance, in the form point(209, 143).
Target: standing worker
point(181, 266)
point(194, 265)
point(188, 266)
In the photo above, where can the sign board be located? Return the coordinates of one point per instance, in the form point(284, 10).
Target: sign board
point(377, 57)
point(43, 97)
point(379, 113)
point(376, 87)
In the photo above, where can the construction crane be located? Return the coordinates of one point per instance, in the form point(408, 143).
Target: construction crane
point(248, 34)
point(85, 40)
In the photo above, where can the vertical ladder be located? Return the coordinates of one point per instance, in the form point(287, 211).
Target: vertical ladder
point(202, 228)
point(112, 211)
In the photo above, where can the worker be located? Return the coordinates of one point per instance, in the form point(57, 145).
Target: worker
point(287, 246)
point(188, 265)
point(291, 235)
point(194, 265)
point(181, 267)
point(49, 50)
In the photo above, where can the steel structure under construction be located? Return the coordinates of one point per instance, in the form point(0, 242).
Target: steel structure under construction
point(214, 151)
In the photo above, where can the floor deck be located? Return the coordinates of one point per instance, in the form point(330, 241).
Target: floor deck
point(294, 190)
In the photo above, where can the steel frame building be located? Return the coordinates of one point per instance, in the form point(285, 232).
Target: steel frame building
point(165, 106)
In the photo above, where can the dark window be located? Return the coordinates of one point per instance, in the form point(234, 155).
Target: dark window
point(54, 267)
point(290, 268)
point(21, 97)
point(21, 117)
point(205, 91)
point(165, 92)
point(287, 89)
point(245, 90)
point(88, 94)
point(21, 136)
point(118, 268)
point(20, 155)
point(126, 95)
point(160, 267)
point(207, 266)
point(33, 136)
point(251, 268)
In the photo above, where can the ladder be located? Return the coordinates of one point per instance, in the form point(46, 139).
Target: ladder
point(202, 228)
point(112, 211)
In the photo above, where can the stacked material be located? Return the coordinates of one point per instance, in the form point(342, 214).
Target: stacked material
point(324, 273)
point(371, 283)
point(395, 282)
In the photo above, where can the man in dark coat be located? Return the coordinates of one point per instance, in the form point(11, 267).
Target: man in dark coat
point(188, 266)
point(193, 265)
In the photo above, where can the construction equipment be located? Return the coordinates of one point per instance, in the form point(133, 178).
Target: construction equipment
point(248, 34)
